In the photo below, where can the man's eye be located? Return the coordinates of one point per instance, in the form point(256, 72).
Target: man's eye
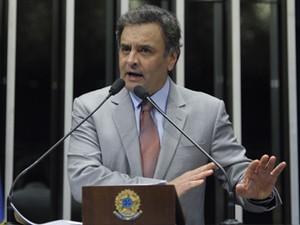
point(125, 49)
point(146, 50)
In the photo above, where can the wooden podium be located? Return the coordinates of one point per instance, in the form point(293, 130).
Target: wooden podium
point(131, 205)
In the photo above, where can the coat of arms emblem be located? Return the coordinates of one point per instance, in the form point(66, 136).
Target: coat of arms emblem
point(127, 204)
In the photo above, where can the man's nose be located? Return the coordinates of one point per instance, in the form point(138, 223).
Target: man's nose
point(132, 58)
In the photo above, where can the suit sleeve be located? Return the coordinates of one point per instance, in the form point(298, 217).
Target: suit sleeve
point(231, 155)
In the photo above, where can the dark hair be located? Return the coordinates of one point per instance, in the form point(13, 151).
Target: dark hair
point(152, 14)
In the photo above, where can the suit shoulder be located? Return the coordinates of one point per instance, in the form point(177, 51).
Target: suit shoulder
point(93, 97)
point(96, 93)
point(197, 96)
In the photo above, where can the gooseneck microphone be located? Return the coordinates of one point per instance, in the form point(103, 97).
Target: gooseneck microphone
point(114, 89)
point(144, 95)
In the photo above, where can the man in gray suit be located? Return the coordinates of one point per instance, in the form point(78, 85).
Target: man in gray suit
point(105, 150)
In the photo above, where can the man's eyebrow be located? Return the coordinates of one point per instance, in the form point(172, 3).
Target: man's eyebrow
point(145, 46)
point(140, 45)
point(124, 45)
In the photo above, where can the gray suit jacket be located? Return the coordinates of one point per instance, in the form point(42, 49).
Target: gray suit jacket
point(105, 149)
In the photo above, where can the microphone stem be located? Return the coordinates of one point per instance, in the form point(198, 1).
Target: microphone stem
point(10, 218)
point(56, 144)
point(10, 211)
point(231, 204)
point(231, 210)
point(114, 89)
point(191, 140)
point(231, 193)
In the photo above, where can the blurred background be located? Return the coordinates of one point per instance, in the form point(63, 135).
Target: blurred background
point(242, 51)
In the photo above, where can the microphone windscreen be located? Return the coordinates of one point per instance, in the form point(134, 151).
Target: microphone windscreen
point(141, 92)
point(117, 86)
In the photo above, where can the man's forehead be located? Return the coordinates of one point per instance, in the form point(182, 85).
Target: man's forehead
point(147, 34)
point(151, 28)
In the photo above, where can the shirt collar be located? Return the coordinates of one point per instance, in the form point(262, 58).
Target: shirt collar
point(159, 97)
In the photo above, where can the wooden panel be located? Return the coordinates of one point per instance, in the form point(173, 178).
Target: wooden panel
point(157, 205)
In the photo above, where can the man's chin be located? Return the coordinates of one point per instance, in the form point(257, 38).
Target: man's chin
point(130, 87)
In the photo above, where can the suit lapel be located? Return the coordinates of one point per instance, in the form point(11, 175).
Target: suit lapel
point(171, 136)
point(126, 124)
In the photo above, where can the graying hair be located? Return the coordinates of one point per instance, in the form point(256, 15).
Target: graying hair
point(146, 14)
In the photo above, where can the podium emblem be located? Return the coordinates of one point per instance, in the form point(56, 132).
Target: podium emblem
point(127, 204)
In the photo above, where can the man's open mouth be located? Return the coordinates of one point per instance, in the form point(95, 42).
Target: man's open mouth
point(134, 74)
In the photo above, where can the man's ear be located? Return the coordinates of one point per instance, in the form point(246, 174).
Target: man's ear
point(173, 58)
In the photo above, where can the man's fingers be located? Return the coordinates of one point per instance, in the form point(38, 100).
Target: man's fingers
point(266, 166)
point(263, 163)
point(270, 165)
point(194, 183)
point(252, 167)
point(278, 169)
point(209, 166)
point(182, 188)
point(193, 178)
point(200, 172)
point(203, 174)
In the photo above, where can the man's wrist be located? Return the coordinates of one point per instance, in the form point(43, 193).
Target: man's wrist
point(265, 201)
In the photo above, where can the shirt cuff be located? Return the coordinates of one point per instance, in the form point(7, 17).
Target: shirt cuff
point(267, 202)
